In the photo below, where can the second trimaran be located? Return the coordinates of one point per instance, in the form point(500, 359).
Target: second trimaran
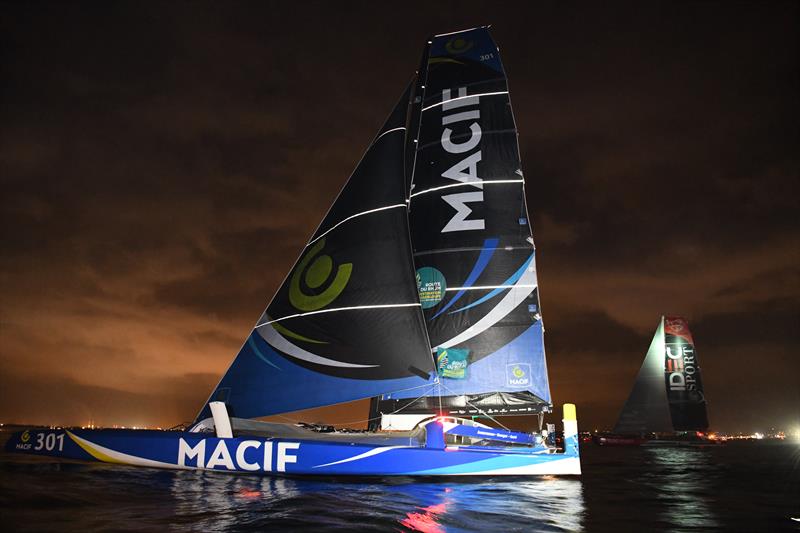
point(418, 289)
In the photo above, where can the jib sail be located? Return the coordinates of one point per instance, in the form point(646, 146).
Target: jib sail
point(346, 323)
point(646, 409)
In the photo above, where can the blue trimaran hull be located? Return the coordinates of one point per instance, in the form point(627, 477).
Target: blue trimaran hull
point(268, 456)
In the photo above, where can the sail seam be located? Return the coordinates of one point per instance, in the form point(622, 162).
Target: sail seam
point(482, 287)
point(472, 183)
point(459, 136)
point(469, 249)
point(463, 97)
point(351, 217)
point(351, 308)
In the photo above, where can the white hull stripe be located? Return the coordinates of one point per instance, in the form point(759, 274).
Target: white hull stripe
point(370, 453)
point(556, 466)
point(510, 301)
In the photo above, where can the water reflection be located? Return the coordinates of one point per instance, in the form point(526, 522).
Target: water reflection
point(427, 519)
point(210, 501)
point(542, 504)
point(213, 502)
point(683, 478)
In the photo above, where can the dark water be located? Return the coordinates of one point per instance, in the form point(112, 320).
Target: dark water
point(738, 487)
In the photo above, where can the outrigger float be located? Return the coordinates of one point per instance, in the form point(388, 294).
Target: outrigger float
point(418, 290)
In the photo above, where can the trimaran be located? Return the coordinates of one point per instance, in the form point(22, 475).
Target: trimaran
point(418, 289)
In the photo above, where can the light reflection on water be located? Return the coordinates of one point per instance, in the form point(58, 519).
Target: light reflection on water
point(544, 504)
point(684, 478)
point(213, 502)
point(747, 487)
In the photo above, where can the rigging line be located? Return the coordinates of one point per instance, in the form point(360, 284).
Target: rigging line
point(481, 411)
point(384, 306)
point(463, 97)
point(461, 184)
point(351, 217)
point(439, 388)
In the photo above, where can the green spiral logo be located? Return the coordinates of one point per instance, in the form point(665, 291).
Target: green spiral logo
point(312, 273)
point(458, 45)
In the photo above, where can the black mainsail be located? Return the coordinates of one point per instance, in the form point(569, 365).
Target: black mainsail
point(473, 246)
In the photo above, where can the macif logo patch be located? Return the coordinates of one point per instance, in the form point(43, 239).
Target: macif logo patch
point(518, 374)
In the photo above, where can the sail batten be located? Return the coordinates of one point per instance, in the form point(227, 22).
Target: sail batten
point(471, 184)
point(338, 309)
point(351, 217)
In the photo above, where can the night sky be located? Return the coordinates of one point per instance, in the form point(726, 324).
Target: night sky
point(163, 165)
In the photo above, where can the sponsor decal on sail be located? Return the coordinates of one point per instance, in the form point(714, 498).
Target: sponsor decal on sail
point(681, 367)
point(431, 286)
point(452, 362)
point(305, 288)
point(518, 374)
point(460, 111)
point(458, 45)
